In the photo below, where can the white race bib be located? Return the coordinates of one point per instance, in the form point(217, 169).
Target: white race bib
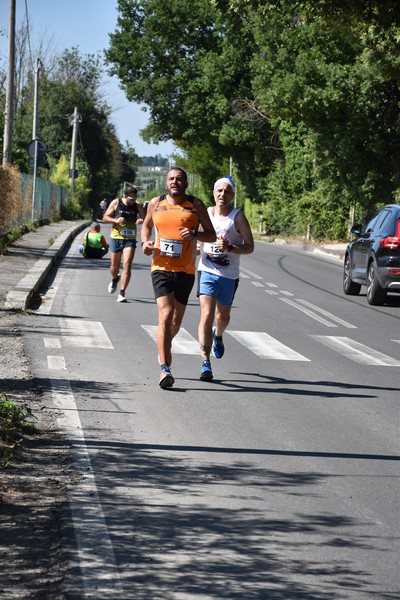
point(171, 248)
point(213, 250)
point(127, 232)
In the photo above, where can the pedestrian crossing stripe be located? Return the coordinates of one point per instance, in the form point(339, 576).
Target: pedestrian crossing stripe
point(260, 343)
point(84, 334)
point(356, 351)
point(265, 346)
point(183, 342)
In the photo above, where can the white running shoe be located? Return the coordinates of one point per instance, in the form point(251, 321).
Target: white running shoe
point(121, 298)
point(112, 286)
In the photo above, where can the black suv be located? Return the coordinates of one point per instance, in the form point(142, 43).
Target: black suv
point(373, 258)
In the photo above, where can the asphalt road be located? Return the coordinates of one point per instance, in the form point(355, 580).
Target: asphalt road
point(277, 480)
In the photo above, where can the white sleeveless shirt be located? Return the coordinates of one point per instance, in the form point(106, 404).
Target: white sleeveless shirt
point(219, 262)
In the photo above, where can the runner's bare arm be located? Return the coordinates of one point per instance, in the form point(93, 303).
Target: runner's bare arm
point(147, 228)
point(243, 227)
point(206, 232)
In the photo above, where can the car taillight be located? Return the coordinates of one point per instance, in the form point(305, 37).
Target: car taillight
point(392, 241)
point(394, 271)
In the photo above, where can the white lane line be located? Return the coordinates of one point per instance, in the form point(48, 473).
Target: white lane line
point(308, 312)
point(84, 334)
point(271, 285)
point(327, 314)
point(397, 341)
point(356, 351)
point(48, 299)
point(244, 276)
point(250, 273)
point(52, 342)
point(272, 292)
point(183, 342)
point(285, 293)
point(56, 363)
point(265, 346)
point(95, 552)
point(257, 283)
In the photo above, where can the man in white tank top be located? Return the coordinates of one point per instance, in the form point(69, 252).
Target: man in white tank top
point(219, 271)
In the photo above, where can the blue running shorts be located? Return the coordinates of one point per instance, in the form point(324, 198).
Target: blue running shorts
point(119, 245)
point(221, 288)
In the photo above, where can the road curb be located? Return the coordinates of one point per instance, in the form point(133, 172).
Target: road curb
point(20, 296)
point(335, 254)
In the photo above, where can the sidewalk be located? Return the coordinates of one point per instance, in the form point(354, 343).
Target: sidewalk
point(34, 485)
point(29, 259)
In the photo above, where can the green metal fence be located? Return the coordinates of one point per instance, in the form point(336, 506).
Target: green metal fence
point(46, 206)
point(49, 198)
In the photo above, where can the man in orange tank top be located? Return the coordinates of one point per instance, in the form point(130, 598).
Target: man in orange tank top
point(176, 218)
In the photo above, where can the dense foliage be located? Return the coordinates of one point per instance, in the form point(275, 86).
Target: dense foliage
point(303, 96)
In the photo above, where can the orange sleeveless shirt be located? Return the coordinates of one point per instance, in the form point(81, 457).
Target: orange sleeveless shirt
point(172, 252)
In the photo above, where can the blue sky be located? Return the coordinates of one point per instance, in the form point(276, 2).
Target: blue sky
point(84, 24)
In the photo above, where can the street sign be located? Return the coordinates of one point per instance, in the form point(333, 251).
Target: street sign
point(41, 149)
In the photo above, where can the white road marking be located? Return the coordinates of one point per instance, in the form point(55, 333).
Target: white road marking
point(84, 334)
point(356, 351)
point(265, 346)
point(56, 363)
point(327, 314)
point(244, 276)
point(250, 273)
point(52, 342)
point(183, 342)
point(285, 293)
point(96, 555)
point(270, 284)
point(257, 283)
point(308, 312)
point(47, 303)
point(272, 292)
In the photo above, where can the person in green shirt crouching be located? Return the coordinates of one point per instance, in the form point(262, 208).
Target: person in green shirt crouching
point(94, 244)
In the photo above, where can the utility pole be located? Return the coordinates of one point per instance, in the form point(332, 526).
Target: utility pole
point(75, 120)
point(9, 109)
point(35, 134)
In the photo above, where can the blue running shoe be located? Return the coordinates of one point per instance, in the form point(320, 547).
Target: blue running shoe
point(206, 372)
point(218, 347)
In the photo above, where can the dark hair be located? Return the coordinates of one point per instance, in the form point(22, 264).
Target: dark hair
point(130, 190)
point(178, 169)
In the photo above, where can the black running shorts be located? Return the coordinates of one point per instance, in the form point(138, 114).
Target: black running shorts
point(167, 282)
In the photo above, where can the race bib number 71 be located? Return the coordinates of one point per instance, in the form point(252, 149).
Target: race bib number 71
point(171, 248)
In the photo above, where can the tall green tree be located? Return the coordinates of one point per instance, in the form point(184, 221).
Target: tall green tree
point(185, 60)
point(303, 95)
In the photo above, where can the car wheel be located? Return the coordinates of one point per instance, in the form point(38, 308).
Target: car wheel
point(376, 295)
point(349, 286)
